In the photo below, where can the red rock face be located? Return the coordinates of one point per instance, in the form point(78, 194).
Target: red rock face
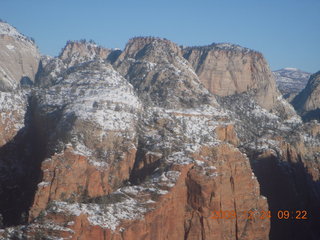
point(221, 181)
point(71, 177)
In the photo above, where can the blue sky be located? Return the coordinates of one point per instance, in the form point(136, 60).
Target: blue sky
point(287, 32)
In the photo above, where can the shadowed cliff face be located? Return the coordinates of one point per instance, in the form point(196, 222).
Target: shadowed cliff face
point(141, 149)
point(20, 161)
point(307, 101)
point(289, 187)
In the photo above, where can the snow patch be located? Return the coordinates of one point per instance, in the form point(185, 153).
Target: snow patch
point(10, 47)
point(103, 215)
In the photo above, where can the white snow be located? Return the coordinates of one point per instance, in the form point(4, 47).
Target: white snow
point(51, 226)
point(12, 110)
point(7, 29)
point(106, 216)
point(179, 158)
point(10, 47)
point(106, 102)
point(43, 184)
point(291, 69)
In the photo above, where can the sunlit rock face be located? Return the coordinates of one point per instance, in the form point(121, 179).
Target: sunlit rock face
point(227, 69)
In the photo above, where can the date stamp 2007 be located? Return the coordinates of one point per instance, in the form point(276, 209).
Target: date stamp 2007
point(254, 214)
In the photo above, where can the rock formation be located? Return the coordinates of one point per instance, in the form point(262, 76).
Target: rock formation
point(160, 74)
point(307, 102)
point(78, 52)
point(227, 69)
point(19, 58)
point(134, 146)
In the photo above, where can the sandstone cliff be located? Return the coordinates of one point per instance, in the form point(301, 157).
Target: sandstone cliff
point(227, 69)
point(19, 58)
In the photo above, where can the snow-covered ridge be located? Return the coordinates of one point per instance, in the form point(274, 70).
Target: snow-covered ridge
point(7, 29)
point(223, 46)
point(291, 69)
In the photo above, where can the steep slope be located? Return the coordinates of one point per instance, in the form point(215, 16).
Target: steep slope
point(307, 102)
point(227, 69)
point(19, 58)
point(291, 81)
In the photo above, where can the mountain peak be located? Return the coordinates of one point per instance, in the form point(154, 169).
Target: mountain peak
point(142, 46)
point(81, 51)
